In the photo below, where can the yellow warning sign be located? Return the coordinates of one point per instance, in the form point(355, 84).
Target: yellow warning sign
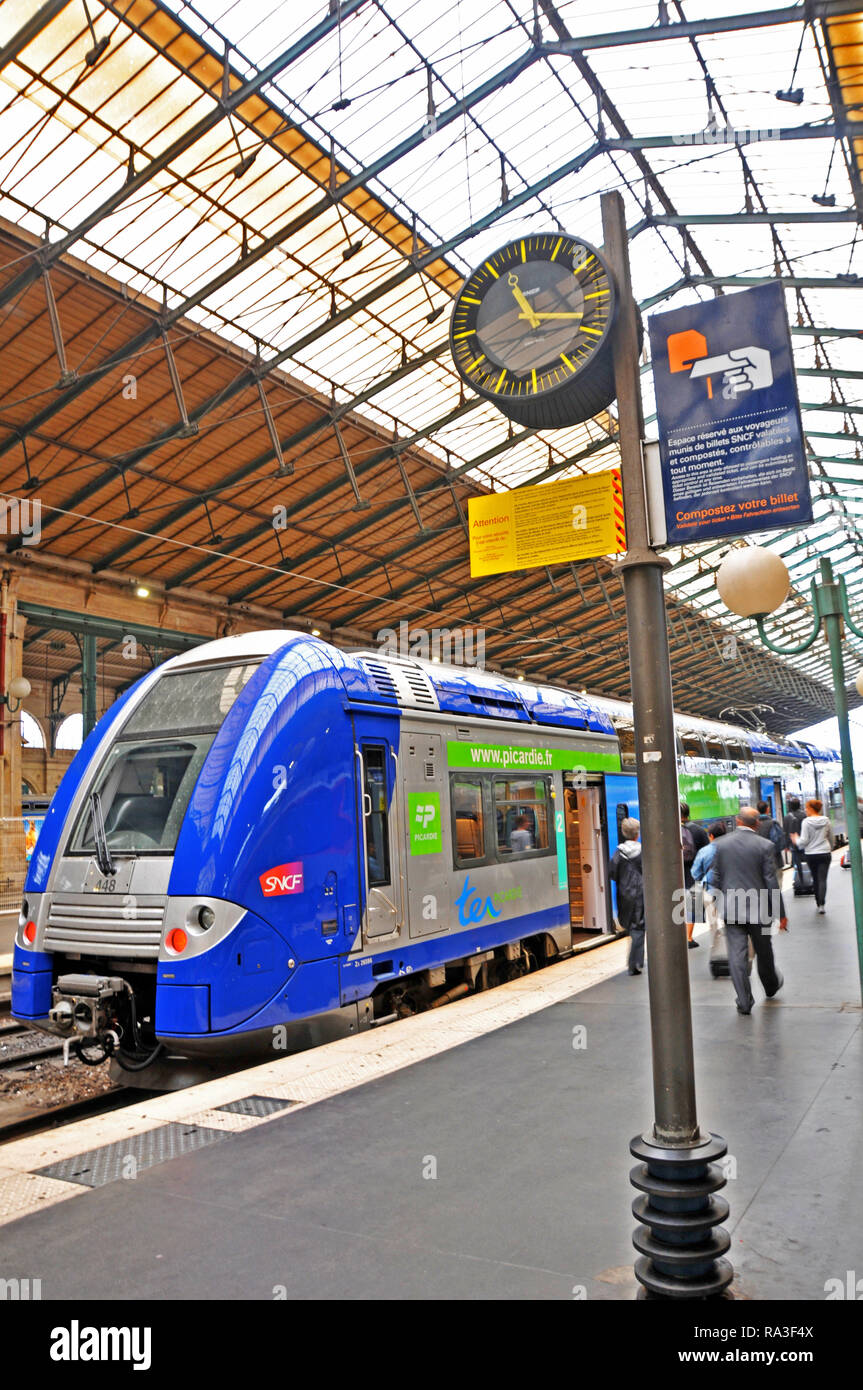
point(551, 524)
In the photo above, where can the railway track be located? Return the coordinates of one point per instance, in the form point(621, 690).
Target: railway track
point(58, 1115)
point(36, 1119)
point(10, 1032)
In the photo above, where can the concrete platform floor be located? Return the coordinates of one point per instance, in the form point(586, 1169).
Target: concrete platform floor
point(499, 1169)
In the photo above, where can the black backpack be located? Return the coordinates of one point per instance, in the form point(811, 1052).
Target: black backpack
point(688, 840)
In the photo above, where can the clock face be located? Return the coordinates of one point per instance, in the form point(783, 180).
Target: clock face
point(532, 320)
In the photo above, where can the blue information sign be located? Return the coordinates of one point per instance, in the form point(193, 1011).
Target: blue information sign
point(730, 436)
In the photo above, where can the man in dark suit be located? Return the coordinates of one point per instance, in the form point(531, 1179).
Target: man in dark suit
point(744, 876)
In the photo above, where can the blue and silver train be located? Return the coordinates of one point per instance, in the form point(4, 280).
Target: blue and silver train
point(269, 841)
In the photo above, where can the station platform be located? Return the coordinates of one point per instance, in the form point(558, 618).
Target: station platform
point(477, 1152)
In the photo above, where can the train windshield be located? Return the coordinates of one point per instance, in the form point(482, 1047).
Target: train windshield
point(186, 701)
point(146, 781)
point(144, 789)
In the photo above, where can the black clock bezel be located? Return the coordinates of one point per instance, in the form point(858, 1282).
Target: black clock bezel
point(586, 387)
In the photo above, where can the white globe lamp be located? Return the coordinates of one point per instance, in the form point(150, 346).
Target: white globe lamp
point(752, 581)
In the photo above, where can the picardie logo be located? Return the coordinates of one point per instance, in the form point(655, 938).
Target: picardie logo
point(284, 878)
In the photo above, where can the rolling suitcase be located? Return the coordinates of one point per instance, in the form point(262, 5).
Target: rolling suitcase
point(803, 884)
point(719, 954)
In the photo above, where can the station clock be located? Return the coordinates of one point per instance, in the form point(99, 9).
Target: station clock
point(531, 331)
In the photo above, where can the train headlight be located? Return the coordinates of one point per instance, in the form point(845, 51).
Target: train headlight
point(206, 918)
point(30, 933)
point(177, 941)
point(24, 913)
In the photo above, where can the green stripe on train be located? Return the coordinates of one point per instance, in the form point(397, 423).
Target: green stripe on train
point(499, 757)
point(708, 795)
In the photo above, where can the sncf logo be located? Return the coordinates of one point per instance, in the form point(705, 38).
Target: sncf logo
point(284, 878)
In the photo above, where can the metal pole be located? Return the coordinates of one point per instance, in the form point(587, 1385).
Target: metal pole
point(829, 601)
point(678, 1246)
point(88, 682)
point(653, 711)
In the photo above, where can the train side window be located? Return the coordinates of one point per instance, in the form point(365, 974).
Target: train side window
point(468, 820)
point(375, 810)
point(622, 815)
point(521, 806)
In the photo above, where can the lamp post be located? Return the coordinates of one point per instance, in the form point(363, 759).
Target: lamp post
point(753, 582)
point(19, 689)
point(680, 1239)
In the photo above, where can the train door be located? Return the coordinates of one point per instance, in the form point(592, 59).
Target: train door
point(585, 858)
point(382, 840)
point(592, 858)
point(573, 857)
point(778, 804)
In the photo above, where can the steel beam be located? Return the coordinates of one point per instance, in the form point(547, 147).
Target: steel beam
point(87, 626)
point(828, 372)
point(722, 24)
point(88, 682)
point(30, 30)
point(720, 219)
point(723, 135)
point(390, 509)
point(811, 331)
point(324, 204)
point(292, 441)
point(249, 376)
point(49, 253)
point(790, 282)
point(607, 106)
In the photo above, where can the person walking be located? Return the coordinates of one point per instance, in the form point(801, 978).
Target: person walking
point(692, 839)
point(744, 876)
point(626, 871)
point(701, 873)
point(816, 843)
point(771, 830)
point(791, 823)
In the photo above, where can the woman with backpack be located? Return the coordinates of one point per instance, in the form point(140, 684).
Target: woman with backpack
point(626, 871)
point(692, 839)
point(816, 842)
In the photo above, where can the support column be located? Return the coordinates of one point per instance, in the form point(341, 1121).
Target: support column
point(13, 863)
point(88, 681)
point(829, 607)
point(677, 1176)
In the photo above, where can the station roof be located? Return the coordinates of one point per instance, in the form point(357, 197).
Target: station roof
point(232, 235)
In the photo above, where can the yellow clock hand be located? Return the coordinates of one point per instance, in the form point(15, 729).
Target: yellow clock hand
point(538, 316)
point(521, 301)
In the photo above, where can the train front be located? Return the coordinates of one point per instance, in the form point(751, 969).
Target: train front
point(172, 898)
